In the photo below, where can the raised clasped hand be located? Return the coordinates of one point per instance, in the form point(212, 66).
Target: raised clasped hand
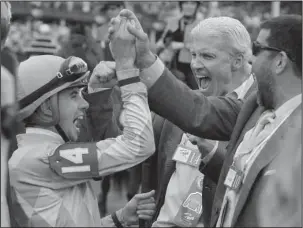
point(143, 55)
point(122, 43)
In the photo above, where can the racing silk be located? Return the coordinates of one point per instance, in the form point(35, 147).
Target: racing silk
point(50, 180)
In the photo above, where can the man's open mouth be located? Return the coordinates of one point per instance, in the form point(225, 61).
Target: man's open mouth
point(77, 121)
point(204, 82)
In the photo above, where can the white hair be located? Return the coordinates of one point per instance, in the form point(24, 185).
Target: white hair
point(228, 28)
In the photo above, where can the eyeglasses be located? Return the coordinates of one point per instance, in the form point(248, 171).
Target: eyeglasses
point(71, 70)
point(257, 48)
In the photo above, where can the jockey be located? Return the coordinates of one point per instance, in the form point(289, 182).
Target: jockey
point(50, 172)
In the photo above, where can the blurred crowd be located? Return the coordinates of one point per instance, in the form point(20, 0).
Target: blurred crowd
point(33, 18)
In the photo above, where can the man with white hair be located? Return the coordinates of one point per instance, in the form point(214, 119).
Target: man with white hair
point(221, 50)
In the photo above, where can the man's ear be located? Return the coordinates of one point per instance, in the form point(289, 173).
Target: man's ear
point(237, 62)
point(45, 107)
point(281, 62)
point(43, 115)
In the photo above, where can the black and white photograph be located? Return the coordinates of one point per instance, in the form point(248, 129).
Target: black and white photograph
point(151, 114)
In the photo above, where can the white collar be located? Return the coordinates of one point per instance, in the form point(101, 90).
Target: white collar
point(242, 90)
point(41, 131)
point(289, 105)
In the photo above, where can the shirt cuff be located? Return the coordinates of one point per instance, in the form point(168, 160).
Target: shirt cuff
point(150, 75)
point(125, 74)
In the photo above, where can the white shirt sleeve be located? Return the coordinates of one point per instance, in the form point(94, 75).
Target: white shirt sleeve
point(137, 141)
point(150, 75)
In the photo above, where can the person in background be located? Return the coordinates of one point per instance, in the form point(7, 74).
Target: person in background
point(256, 127)
point(8, 112)
point(178, 34)
point(40, 45)
point(110, 9)
point(81, 44)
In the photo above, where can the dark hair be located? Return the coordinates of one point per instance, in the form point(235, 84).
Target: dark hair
point(286, 34)
point(112, 3)
point(78, 28)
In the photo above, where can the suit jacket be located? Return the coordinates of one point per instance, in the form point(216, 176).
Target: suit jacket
point(284, 189)
point(217, 118)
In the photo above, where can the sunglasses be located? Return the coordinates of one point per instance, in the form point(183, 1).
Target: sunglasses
point(257, 48)
point(71, 70)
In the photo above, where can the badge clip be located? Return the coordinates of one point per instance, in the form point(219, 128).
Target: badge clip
point(234, 178)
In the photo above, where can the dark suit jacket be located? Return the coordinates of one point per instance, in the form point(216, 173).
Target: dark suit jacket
point(217, 118)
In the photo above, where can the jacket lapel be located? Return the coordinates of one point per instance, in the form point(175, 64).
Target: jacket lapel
point(269, 152)
point(248, 108)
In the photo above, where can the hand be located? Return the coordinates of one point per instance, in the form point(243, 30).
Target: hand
point(144, 56)
point(122, 43)
point(103, 76)
point(141, 206)
point(205, 146)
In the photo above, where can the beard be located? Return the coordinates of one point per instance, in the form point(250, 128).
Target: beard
point(266, 87)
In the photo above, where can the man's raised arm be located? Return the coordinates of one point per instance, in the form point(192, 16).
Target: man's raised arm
point(211, 118)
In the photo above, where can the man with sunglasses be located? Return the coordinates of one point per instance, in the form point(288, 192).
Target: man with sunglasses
point(50, 172)
point(259, 129)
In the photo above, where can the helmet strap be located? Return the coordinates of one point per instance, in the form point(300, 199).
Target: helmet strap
point(61, 133)
point(56, 117)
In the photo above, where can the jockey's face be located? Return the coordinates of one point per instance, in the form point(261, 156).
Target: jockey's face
point(72, 108)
